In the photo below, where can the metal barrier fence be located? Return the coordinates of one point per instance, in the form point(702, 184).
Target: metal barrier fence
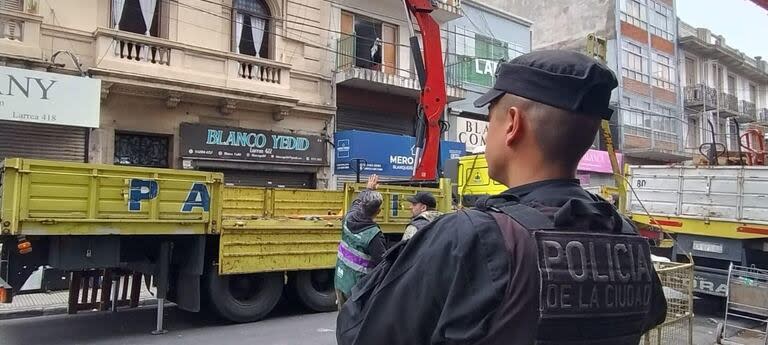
point(677, 329)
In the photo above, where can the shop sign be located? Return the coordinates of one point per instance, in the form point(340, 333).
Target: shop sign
point(383, 154)
point(598, 161)
point(49, 98)
point(250, 145)
point(471, 132)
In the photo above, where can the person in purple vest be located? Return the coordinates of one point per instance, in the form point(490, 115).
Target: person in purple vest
point(362, 242)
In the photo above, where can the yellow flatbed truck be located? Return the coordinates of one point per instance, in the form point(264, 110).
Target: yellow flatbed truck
point(233, 249)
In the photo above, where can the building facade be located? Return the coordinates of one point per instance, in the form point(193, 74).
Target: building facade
point(641, 40)
point(238, 86)
point(477, 42)
point(722, 86)
point(376, 85)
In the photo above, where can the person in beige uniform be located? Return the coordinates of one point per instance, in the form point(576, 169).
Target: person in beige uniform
point(423, 206)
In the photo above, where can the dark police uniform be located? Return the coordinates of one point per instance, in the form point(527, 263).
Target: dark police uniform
point(544, 263)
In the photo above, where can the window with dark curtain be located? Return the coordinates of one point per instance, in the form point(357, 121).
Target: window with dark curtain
point(132, 19)
point(251, 27)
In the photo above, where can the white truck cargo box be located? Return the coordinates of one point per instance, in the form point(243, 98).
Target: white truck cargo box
point(722, 193)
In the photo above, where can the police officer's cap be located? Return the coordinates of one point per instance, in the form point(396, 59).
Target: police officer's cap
point(559, 78)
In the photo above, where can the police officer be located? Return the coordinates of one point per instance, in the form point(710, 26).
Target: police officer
point(423, 206)
point(545, 262)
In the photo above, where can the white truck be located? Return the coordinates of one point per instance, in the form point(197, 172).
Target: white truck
point(717, 214)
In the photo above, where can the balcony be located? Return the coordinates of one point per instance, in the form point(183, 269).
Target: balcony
point(700, 97)
point(379, 78)
point(20, 34)
point(748, 112)
point(703, 42)
point(156, 66)
point(762, 116)
point(728, 105)
point(446, 10)
point(652, 144)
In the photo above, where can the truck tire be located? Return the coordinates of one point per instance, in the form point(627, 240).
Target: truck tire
point(244, 297)
point(315, 289)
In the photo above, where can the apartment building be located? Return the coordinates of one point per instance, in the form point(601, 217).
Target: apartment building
point(641, 38)
point(725, 91)
point(377, 88)
point(477, 42)
point(239, 86)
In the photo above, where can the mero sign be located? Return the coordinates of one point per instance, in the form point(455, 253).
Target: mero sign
point(241, 144)
point(142, 190)
point(588, 274)
point(50, 98)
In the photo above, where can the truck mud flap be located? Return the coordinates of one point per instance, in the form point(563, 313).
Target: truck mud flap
point(6, 292)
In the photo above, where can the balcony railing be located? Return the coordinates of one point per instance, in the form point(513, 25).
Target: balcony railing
point(12, 27)
point(347, 59)
point(762, 116)
point(748, 110)
point(729, 103)
point(144, 55)
point(20, 34)
point(700, 95)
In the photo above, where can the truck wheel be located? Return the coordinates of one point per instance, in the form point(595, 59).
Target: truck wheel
point(315, 289)
point(244, 297)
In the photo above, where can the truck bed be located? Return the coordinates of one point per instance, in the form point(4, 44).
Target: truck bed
point(258, 229)
point(732, 201)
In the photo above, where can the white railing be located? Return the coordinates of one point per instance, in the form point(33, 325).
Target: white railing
point(197, 64)
point(135, 50)
point(12, 28)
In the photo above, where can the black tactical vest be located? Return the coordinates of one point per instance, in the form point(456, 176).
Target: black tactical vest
point(596, 285)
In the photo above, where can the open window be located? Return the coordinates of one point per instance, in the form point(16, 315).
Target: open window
point(251, 20)
point(367, 43)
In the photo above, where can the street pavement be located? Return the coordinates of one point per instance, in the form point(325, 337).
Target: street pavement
point(286, 326)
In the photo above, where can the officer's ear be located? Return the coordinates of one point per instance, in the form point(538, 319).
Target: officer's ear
point(514, 124)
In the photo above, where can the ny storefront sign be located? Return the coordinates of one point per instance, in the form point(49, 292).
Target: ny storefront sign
point(49, 98)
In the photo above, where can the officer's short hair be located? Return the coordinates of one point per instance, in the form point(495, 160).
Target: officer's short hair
point(563, 136)
point(370, 201)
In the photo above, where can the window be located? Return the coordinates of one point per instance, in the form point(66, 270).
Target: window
point(634, 12)
point(478, 56)
point(368, 43)
point(752, 93)
point(662, 21)
point(137, 16)
point(663, 73)
point(144, 150)
point(251, 27)
point(634, 62)
point(690, 72)
point(12, 5)
point(693, 133)
point(731, 85)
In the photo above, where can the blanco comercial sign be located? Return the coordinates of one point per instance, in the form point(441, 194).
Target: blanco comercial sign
point(51, 98)
point(471, 132)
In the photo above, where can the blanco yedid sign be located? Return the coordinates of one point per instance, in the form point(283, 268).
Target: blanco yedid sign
point(51, 98)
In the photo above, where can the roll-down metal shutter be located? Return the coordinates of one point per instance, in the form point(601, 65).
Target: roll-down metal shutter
point(33, 140)
point(274, 179)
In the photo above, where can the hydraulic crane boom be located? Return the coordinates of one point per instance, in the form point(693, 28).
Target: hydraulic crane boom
point(432, 102)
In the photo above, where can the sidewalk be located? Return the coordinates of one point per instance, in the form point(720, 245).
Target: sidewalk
point(53, 303)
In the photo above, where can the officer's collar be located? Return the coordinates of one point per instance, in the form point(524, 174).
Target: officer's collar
point(521, 191)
